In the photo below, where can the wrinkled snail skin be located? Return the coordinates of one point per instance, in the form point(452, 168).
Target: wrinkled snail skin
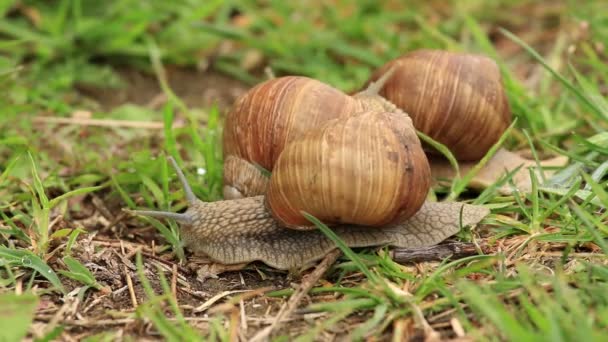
point(457, 99)
point(243, 231)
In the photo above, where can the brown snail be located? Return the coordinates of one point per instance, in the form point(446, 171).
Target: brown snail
point(245, 229)
point(457, 99)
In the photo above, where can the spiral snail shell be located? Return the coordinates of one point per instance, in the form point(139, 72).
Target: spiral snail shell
point(457, 99)
point(365, 169)
point(272, 114)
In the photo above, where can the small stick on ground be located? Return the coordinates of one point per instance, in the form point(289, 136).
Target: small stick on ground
point(454, 250)
point(103, 122)
point(307, 283)
point(131, 288)
point(174, 281)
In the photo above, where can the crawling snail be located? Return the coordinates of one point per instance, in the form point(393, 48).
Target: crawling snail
point(364, 174)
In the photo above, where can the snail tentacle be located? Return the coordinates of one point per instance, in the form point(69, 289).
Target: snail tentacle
point(190, 197)
point(374, 87)
point(179, 217)
point(187, 217)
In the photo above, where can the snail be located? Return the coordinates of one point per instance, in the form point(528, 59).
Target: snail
point(297, 128)
point(458, 99)
point(366, 169)
point(455, 98)
point(373, 154)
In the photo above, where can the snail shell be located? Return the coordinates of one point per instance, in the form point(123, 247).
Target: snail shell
point(455, 98)
point(276, 112)
point(365, 169)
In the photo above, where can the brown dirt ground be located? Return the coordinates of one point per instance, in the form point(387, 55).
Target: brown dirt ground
point(195, 88)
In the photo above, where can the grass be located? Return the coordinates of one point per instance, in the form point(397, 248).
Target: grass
point(64, 240)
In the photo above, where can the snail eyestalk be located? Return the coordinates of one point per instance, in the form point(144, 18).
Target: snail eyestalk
point(190, 197)
point(182, 178)
point(374, 87)
point(179, 217)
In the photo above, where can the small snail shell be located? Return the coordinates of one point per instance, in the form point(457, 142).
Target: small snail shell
point(277, 111)
point(456, 98)
point(366, 169)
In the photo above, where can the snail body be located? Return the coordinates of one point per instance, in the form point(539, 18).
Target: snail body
point(374, 155)
point(243, 230)
point(354, 162)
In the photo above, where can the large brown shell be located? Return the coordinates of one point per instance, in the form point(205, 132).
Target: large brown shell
point(457, 99)
point(367, 169)
point(277, 111)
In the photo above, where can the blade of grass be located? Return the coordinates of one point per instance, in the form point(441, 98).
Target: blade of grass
point(16, 315)
point(25, 258)
point(579, 94)
point(342, 246)
point(459, 185)
point(445, 151)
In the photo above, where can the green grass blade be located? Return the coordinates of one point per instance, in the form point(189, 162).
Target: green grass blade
point(460, 185)
point(76, 192)
point(490, 307)
point(342, 246)
point(79, 272)
point(25, 258)
point(16, 315)
point(445, 151)
point(597, 111)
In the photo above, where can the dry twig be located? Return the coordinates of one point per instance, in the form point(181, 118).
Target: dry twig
point(102, 123)
point(455, 250)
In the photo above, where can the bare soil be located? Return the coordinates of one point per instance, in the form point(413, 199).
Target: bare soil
point(196, 88)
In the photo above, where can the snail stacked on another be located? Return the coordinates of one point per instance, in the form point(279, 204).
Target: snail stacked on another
point(276, 112)
point(367, 169)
